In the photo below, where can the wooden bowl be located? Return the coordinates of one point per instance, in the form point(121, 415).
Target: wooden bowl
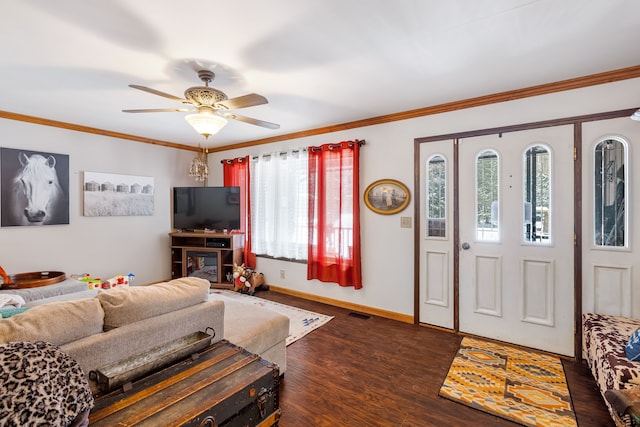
point(34, 279)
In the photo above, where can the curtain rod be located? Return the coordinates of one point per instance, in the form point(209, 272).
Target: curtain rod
point(360, 142)
point(241, 159)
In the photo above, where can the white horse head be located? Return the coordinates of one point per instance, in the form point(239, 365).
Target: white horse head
point(37, 186)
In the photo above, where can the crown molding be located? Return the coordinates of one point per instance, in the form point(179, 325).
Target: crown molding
point(86, 129)
point(544, 89)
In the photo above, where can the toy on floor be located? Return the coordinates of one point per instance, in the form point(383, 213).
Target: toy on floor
point(97, 283)
point(92, 282)
point(118, 280)
point(247, 281)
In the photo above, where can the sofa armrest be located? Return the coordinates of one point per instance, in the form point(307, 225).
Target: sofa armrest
point(258, 330)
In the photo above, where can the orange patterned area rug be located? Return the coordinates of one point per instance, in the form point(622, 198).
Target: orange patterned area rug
point(518, 385)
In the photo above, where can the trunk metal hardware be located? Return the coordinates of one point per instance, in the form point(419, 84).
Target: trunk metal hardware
point(262, 402)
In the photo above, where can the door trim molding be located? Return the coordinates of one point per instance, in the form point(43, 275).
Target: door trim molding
point(532, 125)
point(577, 239)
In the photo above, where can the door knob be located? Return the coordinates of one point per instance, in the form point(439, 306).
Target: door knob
point(466, 246)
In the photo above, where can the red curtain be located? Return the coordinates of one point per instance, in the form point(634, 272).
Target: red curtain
point(236, 173)
point(334, 214)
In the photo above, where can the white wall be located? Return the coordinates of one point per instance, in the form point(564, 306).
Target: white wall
point(101, 246)
point(105, 246)
point(387, 262)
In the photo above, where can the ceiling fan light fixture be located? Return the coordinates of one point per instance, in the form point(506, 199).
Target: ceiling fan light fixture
point(636, 116)
point(206, 124)
point(211, 105)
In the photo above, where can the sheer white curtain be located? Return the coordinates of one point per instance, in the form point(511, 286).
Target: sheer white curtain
point(279, 204)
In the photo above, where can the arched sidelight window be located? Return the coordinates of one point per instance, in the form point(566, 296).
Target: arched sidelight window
point(536, 194)
point(610, 193)
point(487, 196)
point(436, 196)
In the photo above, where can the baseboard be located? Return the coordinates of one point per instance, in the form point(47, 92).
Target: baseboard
point(343, 304)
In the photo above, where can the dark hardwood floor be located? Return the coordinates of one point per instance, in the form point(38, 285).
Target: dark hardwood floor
point(373, 371)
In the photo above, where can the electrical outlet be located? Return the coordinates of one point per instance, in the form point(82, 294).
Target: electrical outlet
point(405, 222)
point(282, 274)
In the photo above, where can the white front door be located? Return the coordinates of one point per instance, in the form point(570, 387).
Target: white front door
point(517, 238)
point(436, 234)
point(609, 236)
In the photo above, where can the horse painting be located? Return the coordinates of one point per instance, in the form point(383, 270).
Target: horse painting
point(36, 197)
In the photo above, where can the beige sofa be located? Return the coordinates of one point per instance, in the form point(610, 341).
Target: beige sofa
point(119, 323)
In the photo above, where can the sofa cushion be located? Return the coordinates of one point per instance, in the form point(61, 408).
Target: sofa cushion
point(129, 304)
point(58, 323)
point(633, 346)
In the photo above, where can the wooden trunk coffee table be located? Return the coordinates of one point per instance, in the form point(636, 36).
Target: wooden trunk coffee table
point(224, 385)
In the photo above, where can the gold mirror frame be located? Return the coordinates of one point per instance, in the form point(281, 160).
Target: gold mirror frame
point(387, 196)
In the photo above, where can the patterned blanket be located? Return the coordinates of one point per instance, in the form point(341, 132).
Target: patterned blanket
point(604, 339)
point(41, 386)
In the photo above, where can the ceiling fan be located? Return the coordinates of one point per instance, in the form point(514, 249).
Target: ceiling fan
point(210, 106)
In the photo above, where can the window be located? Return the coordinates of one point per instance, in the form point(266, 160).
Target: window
point(536, 194)
point(304, 206)
point(279, 204)
point(610, 193)
point(436, 196)
point(487, 196)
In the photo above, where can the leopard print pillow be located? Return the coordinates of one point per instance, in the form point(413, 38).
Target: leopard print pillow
point(40, 386)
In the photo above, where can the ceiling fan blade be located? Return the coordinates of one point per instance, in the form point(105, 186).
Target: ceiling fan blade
point(251, 121)
point(159, 110)
point(243, 101)
point(159, 93)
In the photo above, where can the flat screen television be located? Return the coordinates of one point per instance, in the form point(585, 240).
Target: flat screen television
point(206, 208)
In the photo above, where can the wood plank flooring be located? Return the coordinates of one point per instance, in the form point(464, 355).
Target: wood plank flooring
point(373, 371)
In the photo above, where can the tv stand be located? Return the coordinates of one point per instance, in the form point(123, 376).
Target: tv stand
point(207, 255)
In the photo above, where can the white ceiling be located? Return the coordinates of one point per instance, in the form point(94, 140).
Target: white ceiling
point(318, 62)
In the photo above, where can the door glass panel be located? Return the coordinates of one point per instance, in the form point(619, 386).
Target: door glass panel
point(536, 194)
point(436, 196)
point(610, 193)
point(487, 196)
